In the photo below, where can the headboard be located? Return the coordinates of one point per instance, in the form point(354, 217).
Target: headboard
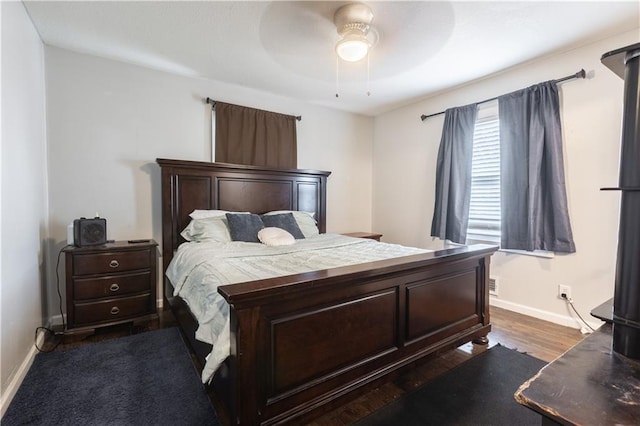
point(190, 185)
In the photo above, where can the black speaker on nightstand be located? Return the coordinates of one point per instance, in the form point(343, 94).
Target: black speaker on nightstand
point(89, 232)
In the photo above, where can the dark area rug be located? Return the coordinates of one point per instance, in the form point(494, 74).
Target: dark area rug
point(478, 392)
point(144, 379)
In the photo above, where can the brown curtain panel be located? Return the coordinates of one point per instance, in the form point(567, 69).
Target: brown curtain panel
point(255, 137)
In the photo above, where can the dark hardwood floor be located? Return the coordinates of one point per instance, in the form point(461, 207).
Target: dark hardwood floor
point(541, 339)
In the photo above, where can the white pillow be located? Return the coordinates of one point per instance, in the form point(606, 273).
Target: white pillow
point(275, 237)
point(213, 228)
point(312, 214)
point(203, 214)
point(305, 221)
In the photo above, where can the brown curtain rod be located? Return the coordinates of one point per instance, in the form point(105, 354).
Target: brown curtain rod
point(579, 74)
point(213, 105)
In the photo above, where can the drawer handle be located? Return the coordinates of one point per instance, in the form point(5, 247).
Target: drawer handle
point(115, 310)
point(114, 263)
point(114, 287)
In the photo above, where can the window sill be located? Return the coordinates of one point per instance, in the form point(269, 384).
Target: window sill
point(536, 253)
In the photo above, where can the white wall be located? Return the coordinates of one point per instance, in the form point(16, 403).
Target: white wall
point(108, 121)
point(23, 224)
point(405, 152)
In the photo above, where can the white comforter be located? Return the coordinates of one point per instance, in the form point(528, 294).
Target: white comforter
point(197, 269)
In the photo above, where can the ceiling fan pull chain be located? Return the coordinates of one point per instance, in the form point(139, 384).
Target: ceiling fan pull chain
point(337, 66)
point(368, 73)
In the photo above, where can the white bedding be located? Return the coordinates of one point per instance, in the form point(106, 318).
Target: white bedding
point(197, 270)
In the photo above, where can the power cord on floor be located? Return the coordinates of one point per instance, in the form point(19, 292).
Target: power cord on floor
point(570, 302)
point(56, 334)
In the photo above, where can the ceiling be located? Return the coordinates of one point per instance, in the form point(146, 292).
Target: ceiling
point(287, 48)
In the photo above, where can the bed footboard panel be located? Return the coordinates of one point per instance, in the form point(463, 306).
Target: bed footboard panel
point(441, 305)
point(314, 342)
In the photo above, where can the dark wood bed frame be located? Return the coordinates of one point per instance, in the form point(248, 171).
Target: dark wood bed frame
point(303, 344)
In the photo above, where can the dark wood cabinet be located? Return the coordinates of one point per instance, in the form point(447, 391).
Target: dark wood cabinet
point(110, 284)
point(590, 384)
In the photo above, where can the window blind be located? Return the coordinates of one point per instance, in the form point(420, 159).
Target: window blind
point(484, 209)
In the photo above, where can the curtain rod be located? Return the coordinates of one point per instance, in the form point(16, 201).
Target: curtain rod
point(213, 105)
point(579, 74)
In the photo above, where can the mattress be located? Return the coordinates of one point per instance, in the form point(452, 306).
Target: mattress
point(199, 268)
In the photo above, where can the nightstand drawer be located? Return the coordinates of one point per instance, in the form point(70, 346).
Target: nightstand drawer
point(98, 263)
point(112, 310)
point(111, 286)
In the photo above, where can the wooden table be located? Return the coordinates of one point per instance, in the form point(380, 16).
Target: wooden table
point(369, 235)
point(588, 385)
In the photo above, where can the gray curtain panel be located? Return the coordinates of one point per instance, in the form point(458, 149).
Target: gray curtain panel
point(533, 194)
point(453, 175)
point(255, 137)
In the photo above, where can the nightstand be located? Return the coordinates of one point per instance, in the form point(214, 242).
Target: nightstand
point(110, 284)
point(369, 235)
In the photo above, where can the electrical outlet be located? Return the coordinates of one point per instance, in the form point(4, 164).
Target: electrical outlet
point(564, 290)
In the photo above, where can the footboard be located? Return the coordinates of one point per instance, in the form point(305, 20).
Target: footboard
point(307, 341)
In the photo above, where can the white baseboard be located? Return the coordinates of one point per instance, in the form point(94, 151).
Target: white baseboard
point(564, 320)
point(15, 383)
point(56, 320)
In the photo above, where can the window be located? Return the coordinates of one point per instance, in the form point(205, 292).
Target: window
point(484, 208)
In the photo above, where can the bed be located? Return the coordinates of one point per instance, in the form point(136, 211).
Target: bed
point(302, 344)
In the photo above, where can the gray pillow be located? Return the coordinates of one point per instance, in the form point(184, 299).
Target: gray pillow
point(244, 227)
point(284, 221)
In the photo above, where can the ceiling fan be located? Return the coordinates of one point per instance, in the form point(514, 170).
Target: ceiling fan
point(302, 37)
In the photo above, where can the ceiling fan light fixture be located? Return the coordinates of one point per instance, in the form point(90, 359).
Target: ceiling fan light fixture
point(353, 22)
point(352, 47)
